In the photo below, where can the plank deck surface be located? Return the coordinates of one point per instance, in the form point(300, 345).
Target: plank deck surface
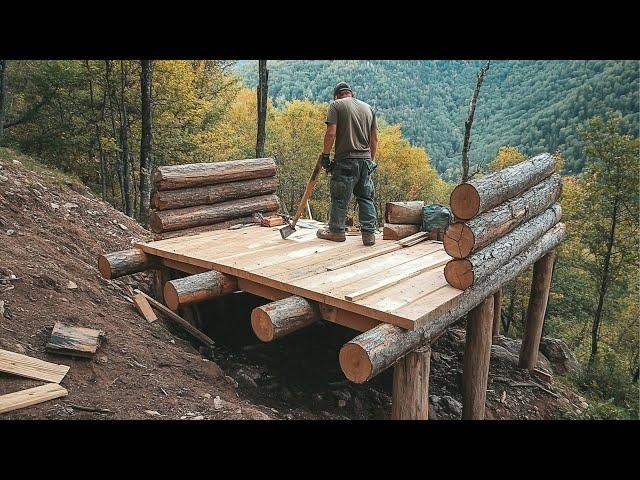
point(30, 367)
point(389, 283)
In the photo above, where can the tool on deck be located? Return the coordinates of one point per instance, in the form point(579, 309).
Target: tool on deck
point(291, 227)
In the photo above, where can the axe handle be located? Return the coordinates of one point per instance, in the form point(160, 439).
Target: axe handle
point(307, 191)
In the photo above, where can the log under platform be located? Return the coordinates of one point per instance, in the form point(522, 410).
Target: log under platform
point(388, 282)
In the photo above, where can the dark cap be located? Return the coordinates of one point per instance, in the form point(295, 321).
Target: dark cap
point(341, 87)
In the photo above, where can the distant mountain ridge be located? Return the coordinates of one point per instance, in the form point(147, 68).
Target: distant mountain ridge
point(533, 105)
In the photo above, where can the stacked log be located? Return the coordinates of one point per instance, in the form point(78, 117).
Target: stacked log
point(402, 219)
point(514, 207)
point(211, 196)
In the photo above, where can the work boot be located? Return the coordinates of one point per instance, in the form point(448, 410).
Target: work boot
point(368, 238)
point(327, 234)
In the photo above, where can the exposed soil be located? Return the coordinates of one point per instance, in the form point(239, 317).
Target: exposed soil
point(52, 230)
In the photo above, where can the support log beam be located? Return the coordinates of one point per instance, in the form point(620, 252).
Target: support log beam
point(125, 262)
point(394, 231)
point(169, 220)
point(410, 399)
point(279, 318)
point(200, 174)
point(462, 273)
point(191, 197)
point(404, 212)
point(377, 349)
point(497, 313)
point(461, 239)
point(477, 353)
point(540, 285)
point(472, 198)
point(198, 288)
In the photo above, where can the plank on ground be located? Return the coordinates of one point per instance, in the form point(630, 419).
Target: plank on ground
point(31, 396)
point(143, 308)
point(74, 341)
point(30, 367)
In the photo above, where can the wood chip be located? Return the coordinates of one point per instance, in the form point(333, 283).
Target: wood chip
point(30, 367)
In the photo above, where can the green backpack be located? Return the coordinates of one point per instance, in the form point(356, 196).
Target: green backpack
point(435, 216)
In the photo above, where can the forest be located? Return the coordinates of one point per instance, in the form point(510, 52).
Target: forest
point(537, 105)
point(88, 118)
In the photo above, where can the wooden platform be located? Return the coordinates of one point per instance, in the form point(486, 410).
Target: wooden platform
point(390, 283)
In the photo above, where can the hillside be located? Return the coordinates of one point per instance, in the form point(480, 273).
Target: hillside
point(534, 105)
point(52, 228)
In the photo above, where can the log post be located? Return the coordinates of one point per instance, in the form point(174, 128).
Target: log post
point(411, 386)
point(125, 262)
point(279, 318)
point(161, 275)
point(497, 312)
point(540, 285)
point(477, 353)
point(198, 288)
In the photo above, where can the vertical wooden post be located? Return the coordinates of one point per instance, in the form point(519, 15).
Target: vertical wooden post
point(540, 285)
point(161, 275)
point(411, 386)
point(477, 353)
point(497, 312)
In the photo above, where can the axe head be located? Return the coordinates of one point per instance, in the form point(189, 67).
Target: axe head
point(287, 230)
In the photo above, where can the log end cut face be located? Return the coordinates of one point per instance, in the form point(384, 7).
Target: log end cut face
point(465, 201)
point(171, 296)
point(104, 267)
point(262, 325)
point(459, 240)
point(459, 273)
point(355, 363)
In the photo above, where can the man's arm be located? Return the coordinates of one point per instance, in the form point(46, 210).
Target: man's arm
point(374, 142)
point(329, 138)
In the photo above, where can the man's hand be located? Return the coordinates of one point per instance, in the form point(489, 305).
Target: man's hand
point(326, 162)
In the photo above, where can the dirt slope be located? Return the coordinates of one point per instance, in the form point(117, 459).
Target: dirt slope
point(52, 230)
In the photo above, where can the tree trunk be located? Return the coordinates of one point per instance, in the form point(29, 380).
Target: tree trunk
point(463, 239)
point(202, 174)
point(165, 221)
point(477, 354)
point(198, 288)
point(466, 145)
point(404, 212)
point(497, 312)
point(472, 198)
point(375, 350)
point(98, 130)
point(124, 143)
point(145, 141)
point(3, 96)
point(125, 262)
point(262, 92)
point(112, 98)
point(604, 284)
point(192, 197)
point(397, 231)
point(410, 399)
point(461, 273)
point(277, 319)
point(540, 285)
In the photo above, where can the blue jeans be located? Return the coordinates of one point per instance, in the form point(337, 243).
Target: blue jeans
point(352, 175)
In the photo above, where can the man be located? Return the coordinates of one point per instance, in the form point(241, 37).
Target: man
point(351, 124)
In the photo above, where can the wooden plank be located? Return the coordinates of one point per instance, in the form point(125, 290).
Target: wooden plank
point(179, 320)
point(143, 308)
point(31, 396)
point(183, 267)
point(30, 367)
point(397, 274)
point(365, 256)
point(261, 290)
point(74, 341)
point(413, 239)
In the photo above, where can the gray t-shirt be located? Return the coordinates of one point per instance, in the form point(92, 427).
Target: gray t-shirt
point(354, 121)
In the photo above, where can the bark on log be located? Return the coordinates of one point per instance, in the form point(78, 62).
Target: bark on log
point(472, 198)
point(463, 239)
point(410, 400)
point(191, 197)
point(170, 220)
point(475, 365)
point(279, 318)
point(208, 228)
point(540, 285)
point(198, 288)
point(201, 174)
point(497, 313)
point(404, 212)
point(377, 349)
point(462, 273)
point(125, 262)
point(394, 231)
